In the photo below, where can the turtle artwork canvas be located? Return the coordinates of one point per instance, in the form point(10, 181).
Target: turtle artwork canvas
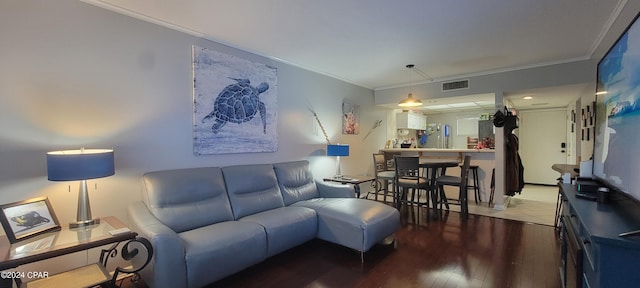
point(235, 104)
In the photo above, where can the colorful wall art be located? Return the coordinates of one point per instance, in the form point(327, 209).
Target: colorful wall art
point(350, 118)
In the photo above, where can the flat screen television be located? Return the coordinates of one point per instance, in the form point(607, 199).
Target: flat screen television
point(616, 158)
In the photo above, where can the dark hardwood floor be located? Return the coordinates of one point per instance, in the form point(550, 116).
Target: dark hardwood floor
point(481, 252)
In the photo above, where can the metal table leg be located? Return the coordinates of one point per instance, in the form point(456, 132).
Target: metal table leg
point(558, 210)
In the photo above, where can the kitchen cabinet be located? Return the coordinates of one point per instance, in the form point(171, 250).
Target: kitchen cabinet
point(411, 120)
point(486, 129)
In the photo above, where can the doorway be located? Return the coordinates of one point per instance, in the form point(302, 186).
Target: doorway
point(543, 142)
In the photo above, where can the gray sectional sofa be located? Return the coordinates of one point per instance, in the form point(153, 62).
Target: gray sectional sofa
point(208, 223)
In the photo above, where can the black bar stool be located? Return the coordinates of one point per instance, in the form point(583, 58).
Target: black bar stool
point(476, 182)
point(473, 169)
point(493, 185)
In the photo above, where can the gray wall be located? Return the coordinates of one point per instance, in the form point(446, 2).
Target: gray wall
point(74, 75)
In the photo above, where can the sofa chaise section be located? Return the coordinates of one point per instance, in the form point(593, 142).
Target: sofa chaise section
point(355, 223)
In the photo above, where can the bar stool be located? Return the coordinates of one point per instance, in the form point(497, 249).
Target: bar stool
point(461, 183)
point(408, 178)
point(556, 220)
point(476, 182)
point(383, 177)
point(493, 185)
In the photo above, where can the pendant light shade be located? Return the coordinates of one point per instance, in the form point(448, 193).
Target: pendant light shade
point(410, 101)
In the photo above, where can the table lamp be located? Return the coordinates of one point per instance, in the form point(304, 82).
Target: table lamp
point(337, 150)
point(83, 164)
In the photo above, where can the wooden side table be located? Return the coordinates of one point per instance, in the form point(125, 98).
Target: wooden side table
point(353, 180)
point(50, 245)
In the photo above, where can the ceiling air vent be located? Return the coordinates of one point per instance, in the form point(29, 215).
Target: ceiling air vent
point(462, 84)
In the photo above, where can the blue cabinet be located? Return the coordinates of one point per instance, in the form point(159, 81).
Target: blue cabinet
point(605, 259)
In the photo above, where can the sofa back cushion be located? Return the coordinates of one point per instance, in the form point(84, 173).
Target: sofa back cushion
point(296, 181)
point(252, 189)
point(185, 199)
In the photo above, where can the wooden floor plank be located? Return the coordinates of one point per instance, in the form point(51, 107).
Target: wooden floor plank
point(481, 252)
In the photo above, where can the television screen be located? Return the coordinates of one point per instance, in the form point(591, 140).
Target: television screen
point(616, 158)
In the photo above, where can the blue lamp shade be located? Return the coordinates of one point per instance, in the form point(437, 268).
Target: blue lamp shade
point(337, 150)
point(70, 165)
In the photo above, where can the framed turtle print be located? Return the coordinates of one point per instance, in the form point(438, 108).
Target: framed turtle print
point(235, 104)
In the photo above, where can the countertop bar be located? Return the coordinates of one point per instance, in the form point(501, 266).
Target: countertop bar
point(483, 158)
point(566, 168)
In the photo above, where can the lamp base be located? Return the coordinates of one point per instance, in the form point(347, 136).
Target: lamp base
point(85, 223)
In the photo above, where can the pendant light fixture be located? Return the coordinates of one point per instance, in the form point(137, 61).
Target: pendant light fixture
point(410, 101)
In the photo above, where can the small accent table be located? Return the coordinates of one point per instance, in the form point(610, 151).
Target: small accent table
point(353, 180)
point(66, 241)
point(562, 168)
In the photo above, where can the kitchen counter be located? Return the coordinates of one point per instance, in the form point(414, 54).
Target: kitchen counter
point(483, 158)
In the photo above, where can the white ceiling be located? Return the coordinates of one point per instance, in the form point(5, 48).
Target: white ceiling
point(550, 97)
point(369, 42)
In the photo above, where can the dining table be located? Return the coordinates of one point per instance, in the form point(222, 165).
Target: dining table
point(433, 168)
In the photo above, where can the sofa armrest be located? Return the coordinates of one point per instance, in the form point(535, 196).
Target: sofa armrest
point(167, 267)
point(327, 190)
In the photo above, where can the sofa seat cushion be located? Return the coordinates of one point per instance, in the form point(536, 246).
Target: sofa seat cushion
point(218, 250)
point(286, 227)
point(354, 223)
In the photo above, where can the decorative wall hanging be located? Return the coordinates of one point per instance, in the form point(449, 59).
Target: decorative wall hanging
point(375, 125)
point(324, 132)
point(350, 118)
point(588, 122)
point(235, 104)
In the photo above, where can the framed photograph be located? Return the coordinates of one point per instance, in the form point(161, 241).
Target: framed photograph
point(25, 219)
